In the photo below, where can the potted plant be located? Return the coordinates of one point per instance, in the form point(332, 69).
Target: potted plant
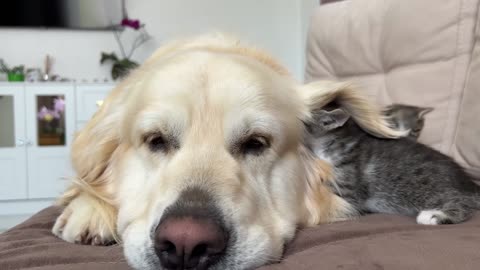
point(15, 74)
point(124, 64)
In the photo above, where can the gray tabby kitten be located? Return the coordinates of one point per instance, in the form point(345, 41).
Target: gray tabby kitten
point(392, 176)
point(407, 117)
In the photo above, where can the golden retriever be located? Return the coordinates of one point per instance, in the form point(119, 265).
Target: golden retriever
point(198, 160)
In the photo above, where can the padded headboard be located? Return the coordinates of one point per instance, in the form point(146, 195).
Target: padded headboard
point(416, 52)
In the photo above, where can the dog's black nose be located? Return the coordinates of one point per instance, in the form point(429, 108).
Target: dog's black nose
point(189, 242)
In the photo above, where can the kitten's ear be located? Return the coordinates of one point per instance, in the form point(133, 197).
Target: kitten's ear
point(423, 111)
point(340, 117)
point(328, 120)
point(324, 121)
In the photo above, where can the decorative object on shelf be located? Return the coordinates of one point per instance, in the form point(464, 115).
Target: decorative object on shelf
point(3, 71)
point(124, 64)
point(15, 74)
point(48, 68)
point(51, 123)
point(47, 76)
point(33, 74)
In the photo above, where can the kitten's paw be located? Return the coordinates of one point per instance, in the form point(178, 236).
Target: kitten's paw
point(81, 223)
point(432, 217)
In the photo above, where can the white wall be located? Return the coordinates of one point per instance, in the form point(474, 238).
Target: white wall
point(275, 25)
point(76, 53)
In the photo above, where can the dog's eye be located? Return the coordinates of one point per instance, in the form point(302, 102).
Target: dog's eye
point(255, 145)
point(156, 142)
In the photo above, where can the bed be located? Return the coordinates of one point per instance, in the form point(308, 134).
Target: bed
point(371, 242)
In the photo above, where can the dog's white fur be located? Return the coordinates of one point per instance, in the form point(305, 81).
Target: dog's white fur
point(208, 93)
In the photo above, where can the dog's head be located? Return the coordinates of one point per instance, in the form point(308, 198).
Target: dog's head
point(201, 150)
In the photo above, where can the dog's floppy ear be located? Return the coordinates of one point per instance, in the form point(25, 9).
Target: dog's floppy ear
point(321, 205)
point(365, 113)
point(92, 150)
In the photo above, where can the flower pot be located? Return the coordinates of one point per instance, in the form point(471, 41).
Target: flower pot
point(122, 68)
point(15, 77)
point(50, 139)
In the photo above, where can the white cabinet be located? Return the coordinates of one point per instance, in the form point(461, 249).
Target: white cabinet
point(48, 143)
point(37, 124)
point(88, 98)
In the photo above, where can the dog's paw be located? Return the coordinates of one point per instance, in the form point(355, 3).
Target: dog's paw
point(81, 223)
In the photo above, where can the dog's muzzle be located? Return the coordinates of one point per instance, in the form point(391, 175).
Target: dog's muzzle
point(192, 232)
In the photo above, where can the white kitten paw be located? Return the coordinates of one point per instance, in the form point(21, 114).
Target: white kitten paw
point(431, 217)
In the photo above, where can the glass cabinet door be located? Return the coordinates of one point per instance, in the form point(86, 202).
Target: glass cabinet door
point(50, 124)
point(13, 175)
point(7, 121)
point(50, 120)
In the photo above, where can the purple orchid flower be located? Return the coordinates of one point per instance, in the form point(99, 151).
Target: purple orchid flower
point(59, 106)
point(56, 114)
point(135, 24)
point(45, 114)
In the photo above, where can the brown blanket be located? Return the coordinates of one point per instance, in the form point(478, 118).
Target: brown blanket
point(371, 242)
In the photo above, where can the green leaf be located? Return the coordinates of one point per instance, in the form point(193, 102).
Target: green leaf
point(18, 69)
point(3, 67)
point(108, 57)
point(122, 68)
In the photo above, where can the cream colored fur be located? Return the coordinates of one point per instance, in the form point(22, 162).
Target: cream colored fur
point(207, 93)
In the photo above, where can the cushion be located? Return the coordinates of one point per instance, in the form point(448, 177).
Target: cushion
point(370, 242)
